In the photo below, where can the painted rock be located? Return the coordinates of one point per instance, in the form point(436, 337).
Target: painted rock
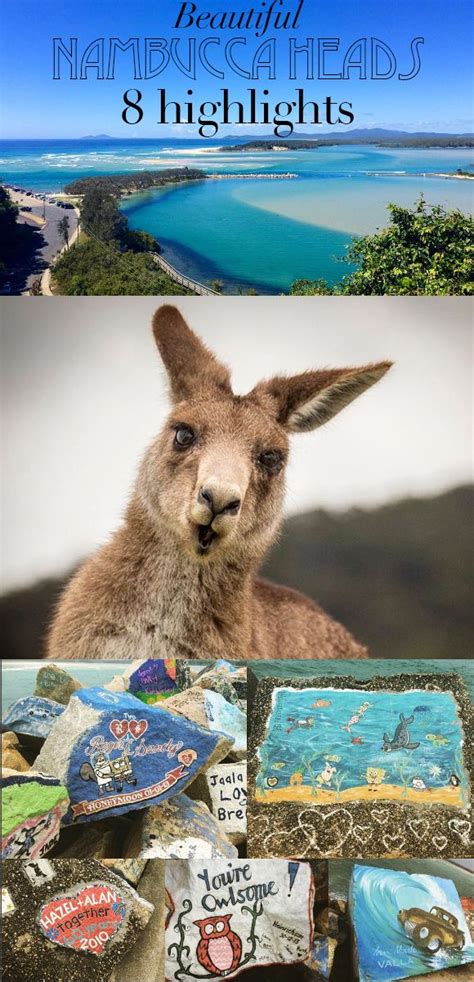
point(155, 679)
point(210, 709)
point(32, 716)
point(76, 920)
point(130, 869)
point(179, 829)
point(115, 754)
point(228, 916)
point(405, 925)
point(230, 680)
point(32, 808)
point(227, 784)
point(54, 683)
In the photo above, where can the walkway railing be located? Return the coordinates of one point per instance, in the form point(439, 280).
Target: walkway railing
point(186, 281)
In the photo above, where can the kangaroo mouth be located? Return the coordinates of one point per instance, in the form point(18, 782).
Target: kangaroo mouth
point(206, 536)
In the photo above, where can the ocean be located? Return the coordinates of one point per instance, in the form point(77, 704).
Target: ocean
point(19, 677)
point(252, 234)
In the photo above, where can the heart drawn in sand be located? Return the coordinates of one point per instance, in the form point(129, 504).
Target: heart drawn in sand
point(137, 727)
point(85, 919)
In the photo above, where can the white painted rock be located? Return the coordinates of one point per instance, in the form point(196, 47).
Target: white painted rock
point(230, 916)
point(227, 784)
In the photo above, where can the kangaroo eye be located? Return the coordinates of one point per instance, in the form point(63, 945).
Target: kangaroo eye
point(271, 460)
point(184, 437)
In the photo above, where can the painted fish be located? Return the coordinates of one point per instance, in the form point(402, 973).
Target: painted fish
point(320, 703)
point(333, 758)
point(421, 709)
point(278, 765)
point(437, 739)
point(356, 740)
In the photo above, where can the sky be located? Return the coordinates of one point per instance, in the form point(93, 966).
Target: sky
point(84, 392)
point(35, 106)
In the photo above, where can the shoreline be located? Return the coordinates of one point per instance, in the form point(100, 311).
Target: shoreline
point(302, 794)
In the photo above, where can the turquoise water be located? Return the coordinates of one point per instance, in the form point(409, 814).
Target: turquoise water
point(354, 730)
point(385, 949)
point(253, 233)
point(19, 678)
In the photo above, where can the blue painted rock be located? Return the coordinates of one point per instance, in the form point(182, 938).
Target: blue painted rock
point(115, 754)
point(210, 709)
point(32, 716)
point(32, 808)
point(153, 680)
point(76, 920)
point(179, 829)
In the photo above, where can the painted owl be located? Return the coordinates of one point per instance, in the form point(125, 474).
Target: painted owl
point(220, 948)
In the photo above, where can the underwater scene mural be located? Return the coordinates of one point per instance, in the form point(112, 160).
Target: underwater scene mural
point(340, 745)
point(406, 924)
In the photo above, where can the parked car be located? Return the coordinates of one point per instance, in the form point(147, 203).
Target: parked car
point(433, 929)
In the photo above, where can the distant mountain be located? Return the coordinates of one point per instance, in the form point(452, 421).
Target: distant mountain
point(399, 576)
point(98, 136)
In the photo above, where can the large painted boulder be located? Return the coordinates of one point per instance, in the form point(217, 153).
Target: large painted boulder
point(229, 916)
point(76, 920)
point(210, 709)
point(52, 682)
point(32, 716)
point(115, 754)
point(179, 829)
point(32, 808)
point(153, 680)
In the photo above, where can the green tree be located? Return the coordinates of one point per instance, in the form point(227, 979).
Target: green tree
point(94, 269)
point(63, 229)
point(101, 218)
point(424, 251)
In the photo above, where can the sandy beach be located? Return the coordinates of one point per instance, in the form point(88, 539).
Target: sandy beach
point(301, 794)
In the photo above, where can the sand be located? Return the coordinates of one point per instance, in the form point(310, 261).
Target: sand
point(386, 792)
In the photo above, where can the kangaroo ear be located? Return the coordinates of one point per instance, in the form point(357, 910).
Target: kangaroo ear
point(304, 402)
point(190, 365)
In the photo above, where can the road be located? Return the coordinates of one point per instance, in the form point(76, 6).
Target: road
point(46, 241)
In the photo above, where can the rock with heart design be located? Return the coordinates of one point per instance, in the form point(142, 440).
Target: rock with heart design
point(32, 716)
point(210, 709)
point(33, 806)
point(75, 918)
point(115, 754)
point(179, 829)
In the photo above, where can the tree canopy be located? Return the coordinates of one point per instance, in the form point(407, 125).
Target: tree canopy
point(424, 251)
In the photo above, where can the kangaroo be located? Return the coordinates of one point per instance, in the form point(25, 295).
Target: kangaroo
point(401, 739)
point(178, 578)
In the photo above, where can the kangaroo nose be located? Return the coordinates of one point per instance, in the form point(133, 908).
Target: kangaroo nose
point(220, 503)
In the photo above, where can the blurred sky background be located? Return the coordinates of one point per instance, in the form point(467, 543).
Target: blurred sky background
point(84, 391)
